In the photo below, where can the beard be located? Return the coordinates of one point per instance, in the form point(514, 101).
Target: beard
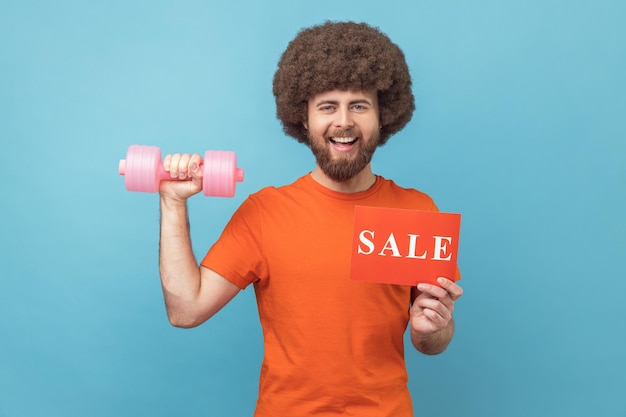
point(343, 167)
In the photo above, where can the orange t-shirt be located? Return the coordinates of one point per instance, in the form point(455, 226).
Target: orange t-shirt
point(332, 345)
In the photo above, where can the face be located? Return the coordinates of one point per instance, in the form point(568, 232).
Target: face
point(343, 129)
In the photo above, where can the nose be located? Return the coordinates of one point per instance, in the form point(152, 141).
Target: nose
point(344, 118)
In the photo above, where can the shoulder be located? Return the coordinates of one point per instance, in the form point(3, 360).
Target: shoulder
point(273, 197)
point(406, 197)
point(278, 192)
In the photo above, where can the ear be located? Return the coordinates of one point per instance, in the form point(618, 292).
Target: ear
point(306, 125)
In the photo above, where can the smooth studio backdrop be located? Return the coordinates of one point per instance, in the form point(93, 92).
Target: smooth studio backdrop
point(519, 126)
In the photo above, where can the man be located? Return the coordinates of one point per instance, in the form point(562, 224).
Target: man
point(332, 345)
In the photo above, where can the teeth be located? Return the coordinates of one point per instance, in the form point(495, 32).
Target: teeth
point(343, 140)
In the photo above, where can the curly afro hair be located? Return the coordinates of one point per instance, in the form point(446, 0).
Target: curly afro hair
point(344, 56)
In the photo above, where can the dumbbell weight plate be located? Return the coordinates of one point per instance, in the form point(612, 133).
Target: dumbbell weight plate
point(219, 173)
point(142, 168)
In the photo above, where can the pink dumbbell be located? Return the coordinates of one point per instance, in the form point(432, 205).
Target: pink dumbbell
point(143, 171)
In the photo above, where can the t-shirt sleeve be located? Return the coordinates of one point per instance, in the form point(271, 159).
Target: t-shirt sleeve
point(237, 255)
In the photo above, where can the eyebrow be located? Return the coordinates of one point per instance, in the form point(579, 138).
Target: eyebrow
point(335, 102)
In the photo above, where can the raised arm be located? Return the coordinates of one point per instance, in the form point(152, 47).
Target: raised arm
point(192, 294)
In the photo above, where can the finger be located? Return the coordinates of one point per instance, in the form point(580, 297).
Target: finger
point(451, 287)
point(433, 290)
point(437, 293)
point(194, 165)
point(439, 320)
point(436, 306)
point(428, 321)
point(174, 165)
point(195, 171)
point(183, 166)
point(167, 162)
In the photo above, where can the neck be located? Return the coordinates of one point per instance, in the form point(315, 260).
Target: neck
point(360, 182)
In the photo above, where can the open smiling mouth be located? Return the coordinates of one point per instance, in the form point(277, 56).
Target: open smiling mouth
point(344, 141)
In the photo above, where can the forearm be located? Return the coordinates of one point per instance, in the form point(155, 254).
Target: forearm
point(180, 274)
point(433, 343)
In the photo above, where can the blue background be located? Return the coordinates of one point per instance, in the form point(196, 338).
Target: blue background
point(519, 126)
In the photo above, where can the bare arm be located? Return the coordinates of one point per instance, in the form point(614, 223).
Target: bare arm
point(432, 324)
point(192, 294)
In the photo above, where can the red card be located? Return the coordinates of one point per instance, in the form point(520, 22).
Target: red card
point(407, 247)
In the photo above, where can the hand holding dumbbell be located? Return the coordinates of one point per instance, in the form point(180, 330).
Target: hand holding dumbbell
point(143, 171)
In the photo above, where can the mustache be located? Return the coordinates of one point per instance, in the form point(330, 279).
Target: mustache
point(343, 133)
